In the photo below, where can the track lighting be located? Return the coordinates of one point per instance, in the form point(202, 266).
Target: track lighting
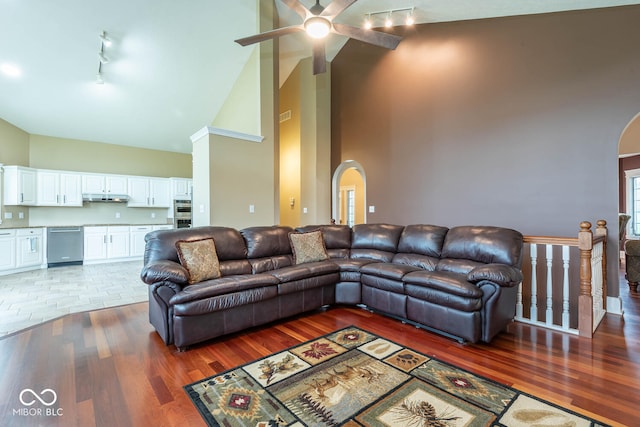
point(102, 58)
point(388, 17)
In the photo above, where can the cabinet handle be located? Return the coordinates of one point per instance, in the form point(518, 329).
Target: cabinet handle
point(104, 238)
point(153, 201)
point(57, 198)
point(110, 239)
point(21, 197)
point(64, 199)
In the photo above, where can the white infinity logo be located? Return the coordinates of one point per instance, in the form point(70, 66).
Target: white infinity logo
point(44, 402)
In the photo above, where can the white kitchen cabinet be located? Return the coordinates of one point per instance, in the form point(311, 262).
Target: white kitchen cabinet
point(181, 188)
point(7, 249)
point(104, 184)
point(137, 233)
point(163, 227)
point(55, 188)
point(30, 251)
point(147, 192)
point(104, 243)
point(19, 186)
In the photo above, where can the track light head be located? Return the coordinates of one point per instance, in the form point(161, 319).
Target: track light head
point(106, 41)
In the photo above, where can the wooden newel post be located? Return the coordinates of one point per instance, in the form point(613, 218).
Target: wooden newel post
point(601, 230)
point(585, 300)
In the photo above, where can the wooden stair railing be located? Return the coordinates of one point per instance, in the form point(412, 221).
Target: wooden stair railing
point(588, 279)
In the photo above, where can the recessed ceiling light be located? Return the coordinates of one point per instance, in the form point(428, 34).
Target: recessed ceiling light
point(10, 70)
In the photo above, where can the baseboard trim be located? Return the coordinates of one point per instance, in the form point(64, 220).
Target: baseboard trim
point(614, 305)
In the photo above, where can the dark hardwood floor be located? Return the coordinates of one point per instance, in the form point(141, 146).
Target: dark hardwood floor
point(109, 367)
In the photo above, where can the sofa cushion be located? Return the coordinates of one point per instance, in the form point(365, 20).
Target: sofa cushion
point(222, 286)
point(380, 237)
point(308, 247)
point(484, 244)
point(387, 270)
point(303, 271)
point(420, 261)
point(335, 236)
point(502, 274)
point(199, 258)
point(260, 265)
point(161, 244)
point(267, 241)
point(422, 239)
point(447, 282)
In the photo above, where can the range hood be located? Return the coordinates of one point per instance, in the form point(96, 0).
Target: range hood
point(100, 197)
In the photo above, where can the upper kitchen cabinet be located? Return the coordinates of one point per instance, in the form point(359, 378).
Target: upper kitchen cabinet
point(104, 184)
point(56, 188)
point(181, 188)
point(20, 186)
point(147, 192)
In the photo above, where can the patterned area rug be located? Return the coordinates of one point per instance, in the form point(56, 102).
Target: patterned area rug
point(355, 378)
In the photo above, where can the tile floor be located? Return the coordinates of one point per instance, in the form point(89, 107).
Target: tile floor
point(30, 298)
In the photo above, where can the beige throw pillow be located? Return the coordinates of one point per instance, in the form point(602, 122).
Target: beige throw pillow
point(199, 258)
point(308, 247)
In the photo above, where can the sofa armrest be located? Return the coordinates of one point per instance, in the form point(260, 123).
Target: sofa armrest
point(158, 271)
point(502, 274)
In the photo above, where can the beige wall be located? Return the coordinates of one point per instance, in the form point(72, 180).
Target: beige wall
point(290, 151)
point(305, 147)
point(14, 145)
point(48, 152)
point(241, 110)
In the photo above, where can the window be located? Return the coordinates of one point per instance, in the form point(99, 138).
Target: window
point(633, 200)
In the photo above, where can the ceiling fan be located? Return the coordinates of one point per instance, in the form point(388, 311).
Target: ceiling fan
point(318, 23)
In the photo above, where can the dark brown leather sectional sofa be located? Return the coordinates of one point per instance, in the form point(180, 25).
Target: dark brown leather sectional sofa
point(461, 282)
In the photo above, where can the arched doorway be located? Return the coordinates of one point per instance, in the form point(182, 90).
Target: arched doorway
point(629, 173)
point(349, 194)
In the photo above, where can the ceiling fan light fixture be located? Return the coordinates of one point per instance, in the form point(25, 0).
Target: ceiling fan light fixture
point(317, 27)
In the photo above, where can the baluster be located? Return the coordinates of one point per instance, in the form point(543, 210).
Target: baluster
point(533, 315)
point(549, 317)
point(565, 287)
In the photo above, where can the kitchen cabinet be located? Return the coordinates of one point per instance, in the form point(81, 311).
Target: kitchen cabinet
point(55, 188)
point(137, 233)
point(147, 192)
point(19, 186)
point(104, 184)
point(181, 188)
point(102, 243)
point(7, 249)
point(163, 227)
point(30, 250)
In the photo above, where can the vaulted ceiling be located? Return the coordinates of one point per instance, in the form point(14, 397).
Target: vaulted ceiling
point(171, 65)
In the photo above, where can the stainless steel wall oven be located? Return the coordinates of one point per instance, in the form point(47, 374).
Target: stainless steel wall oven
point(182, 213)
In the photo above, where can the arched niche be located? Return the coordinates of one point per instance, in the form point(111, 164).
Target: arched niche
point(336, 188)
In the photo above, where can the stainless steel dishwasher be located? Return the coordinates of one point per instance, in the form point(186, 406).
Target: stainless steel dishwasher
point(65, 246)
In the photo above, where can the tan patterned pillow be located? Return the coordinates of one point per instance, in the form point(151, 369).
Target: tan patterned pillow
point(199, 258)
point(308, 247)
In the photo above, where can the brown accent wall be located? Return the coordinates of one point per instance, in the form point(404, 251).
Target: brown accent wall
point(508, 121)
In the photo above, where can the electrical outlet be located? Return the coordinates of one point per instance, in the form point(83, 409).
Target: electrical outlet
point(153, 214)
point(8, 215)
point(117, 214)
point(372, 209)
point(252, 209)
point(304, 210)
point(21, 215)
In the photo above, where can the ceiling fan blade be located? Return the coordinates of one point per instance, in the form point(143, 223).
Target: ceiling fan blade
point(378, 38)
point(267, 35)
point(319, 58)
point(336, 7)
point(297, 7)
